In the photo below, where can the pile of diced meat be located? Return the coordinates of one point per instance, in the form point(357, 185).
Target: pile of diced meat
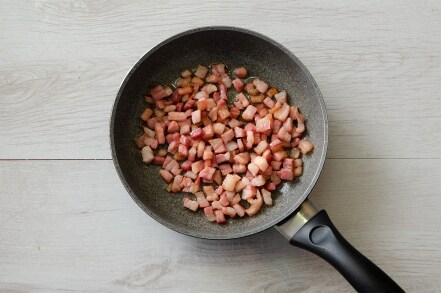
point(228, 158)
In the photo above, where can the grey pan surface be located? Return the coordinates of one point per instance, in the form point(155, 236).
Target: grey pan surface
point(235, 47)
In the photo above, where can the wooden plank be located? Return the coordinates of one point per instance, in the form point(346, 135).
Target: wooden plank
point(70, 226)
point(62, 62)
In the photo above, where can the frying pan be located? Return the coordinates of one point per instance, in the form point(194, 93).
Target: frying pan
point(294, 214)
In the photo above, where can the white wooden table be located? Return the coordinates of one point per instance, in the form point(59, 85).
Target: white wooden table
point(66, 222)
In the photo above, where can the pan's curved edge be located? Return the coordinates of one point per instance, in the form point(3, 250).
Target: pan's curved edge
point(267, 225)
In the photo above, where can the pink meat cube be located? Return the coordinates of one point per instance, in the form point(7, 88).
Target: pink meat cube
point(218, 146)
point(260, 85)
point(239, 210)
point(173, 127)
point(166, 175)
point(286, 174)
point(261, 163)
point(241, 72)
point(305, 146)
point(208, 131)
point(230, 182)
point(220, 218)
point(249, 112)
point(261, 147)
point(225, 169)
point(197, 133)
point(242, 158)
point(227, 135)
point(264, 124)
point(239, 168)
point(269, 102)
point(220, 158)
point(281, 97)
point(219, 128)
point(238, 84)
point(207, 173)
point(191, 204)
point(177, 116)
point(209, 213)
point(201, 71)
point(282, 113)
point(258, 181)
point(224, 200)
point(158, 92)
point(249, 191)
point(196, 116)
point(196, 167)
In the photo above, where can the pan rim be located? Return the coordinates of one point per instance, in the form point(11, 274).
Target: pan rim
point(277, 218)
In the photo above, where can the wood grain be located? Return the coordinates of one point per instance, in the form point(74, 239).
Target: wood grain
point(378, 67)
point(67, 224)
point(70, 226)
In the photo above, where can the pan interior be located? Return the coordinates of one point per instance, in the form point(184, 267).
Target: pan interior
point(162, 65)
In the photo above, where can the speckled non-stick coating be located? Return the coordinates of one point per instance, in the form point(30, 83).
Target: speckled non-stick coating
point(235, 47)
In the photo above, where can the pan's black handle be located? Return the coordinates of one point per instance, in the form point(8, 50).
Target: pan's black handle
point(320, 237)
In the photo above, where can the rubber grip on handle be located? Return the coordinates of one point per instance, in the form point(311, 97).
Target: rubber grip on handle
point(320, 237)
